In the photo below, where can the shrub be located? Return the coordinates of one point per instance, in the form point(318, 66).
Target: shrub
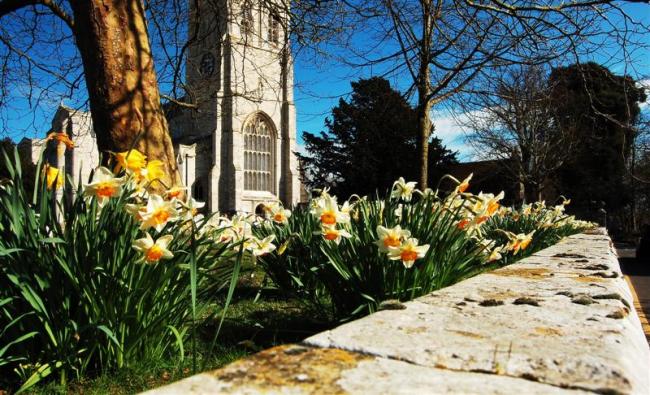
point(104, 282)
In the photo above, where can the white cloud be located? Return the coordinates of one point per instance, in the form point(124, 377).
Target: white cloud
point(450, 130)
point(645, 83)
point(300, 148)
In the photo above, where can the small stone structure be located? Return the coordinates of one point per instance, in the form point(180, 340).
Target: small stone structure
point(557, 322)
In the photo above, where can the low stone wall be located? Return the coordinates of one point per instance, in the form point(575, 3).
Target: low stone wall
point(557, 322)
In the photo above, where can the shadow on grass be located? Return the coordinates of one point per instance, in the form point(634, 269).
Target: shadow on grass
point(256, 319)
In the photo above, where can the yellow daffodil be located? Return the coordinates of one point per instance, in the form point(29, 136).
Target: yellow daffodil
point(259, 247)
point(158, 213)
point(132, 160)
point(391, 237)
point(53, 178)
point(154, 170)
point(333, 234)
point(103, 186)
point(403, 190)
point(408, 252)
point(154, 251)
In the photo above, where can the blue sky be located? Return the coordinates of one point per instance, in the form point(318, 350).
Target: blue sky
point(319, 86)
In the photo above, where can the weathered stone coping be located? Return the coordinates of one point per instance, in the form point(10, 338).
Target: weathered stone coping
point(557, 322)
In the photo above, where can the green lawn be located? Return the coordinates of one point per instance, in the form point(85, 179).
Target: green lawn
point(257, 319)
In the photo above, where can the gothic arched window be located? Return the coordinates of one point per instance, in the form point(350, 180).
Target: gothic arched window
point(259, 155)
point(247, 22)
point(273, 29)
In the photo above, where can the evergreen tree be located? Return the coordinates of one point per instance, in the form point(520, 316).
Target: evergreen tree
point(369, 143)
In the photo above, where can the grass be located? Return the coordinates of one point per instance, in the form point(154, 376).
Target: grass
point(149, 374)
point(258, 318)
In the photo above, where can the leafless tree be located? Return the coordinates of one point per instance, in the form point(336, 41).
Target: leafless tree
point(516, 124)
point(444, 46)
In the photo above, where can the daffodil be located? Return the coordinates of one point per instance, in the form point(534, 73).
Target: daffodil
point(154, 170)
point(174, 192)
point(483, 207)
point(135, 210)
point(158, 213)
point(519, 242)
point(327, 211)
point(154, 251)
point(408, 252)
point(62, 138)
point(390, 237)
point(269, 207)
point(495, 254)
point(259, 247)
point(463, 185)
point(52, 177)
point(403, 190)
point(463, 223)
point(132, 160)
point(280, 215)
point(333, 234)
point(104, 185)
point(190, 209)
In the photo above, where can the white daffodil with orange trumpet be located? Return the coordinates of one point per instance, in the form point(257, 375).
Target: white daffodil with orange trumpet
point(279, 214)
point(153, 251)
point(157, 213)
point(103, 186)
point(518, 242)
point(408, 252)
point(326, 209)
point(331, 233)
point(391, 237)
point(463, 185)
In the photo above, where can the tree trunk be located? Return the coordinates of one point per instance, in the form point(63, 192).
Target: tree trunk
point(424, 126)
point(113, 40)
point(424, 90)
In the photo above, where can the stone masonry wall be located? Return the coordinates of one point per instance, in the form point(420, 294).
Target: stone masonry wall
point(557, 322)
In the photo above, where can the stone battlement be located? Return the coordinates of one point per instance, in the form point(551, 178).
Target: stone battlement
point(559, 321)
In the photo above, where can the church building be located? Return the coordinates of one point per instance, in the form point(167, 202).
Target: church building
point(235, 149)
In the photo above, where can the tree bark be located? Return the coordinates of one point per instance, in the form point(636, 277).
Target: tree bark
point(424, 90)
point(424, 126)
point(113, 41)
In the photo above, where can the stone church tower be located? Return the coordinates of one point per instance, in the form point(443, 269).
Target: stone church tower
point(236, 149)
